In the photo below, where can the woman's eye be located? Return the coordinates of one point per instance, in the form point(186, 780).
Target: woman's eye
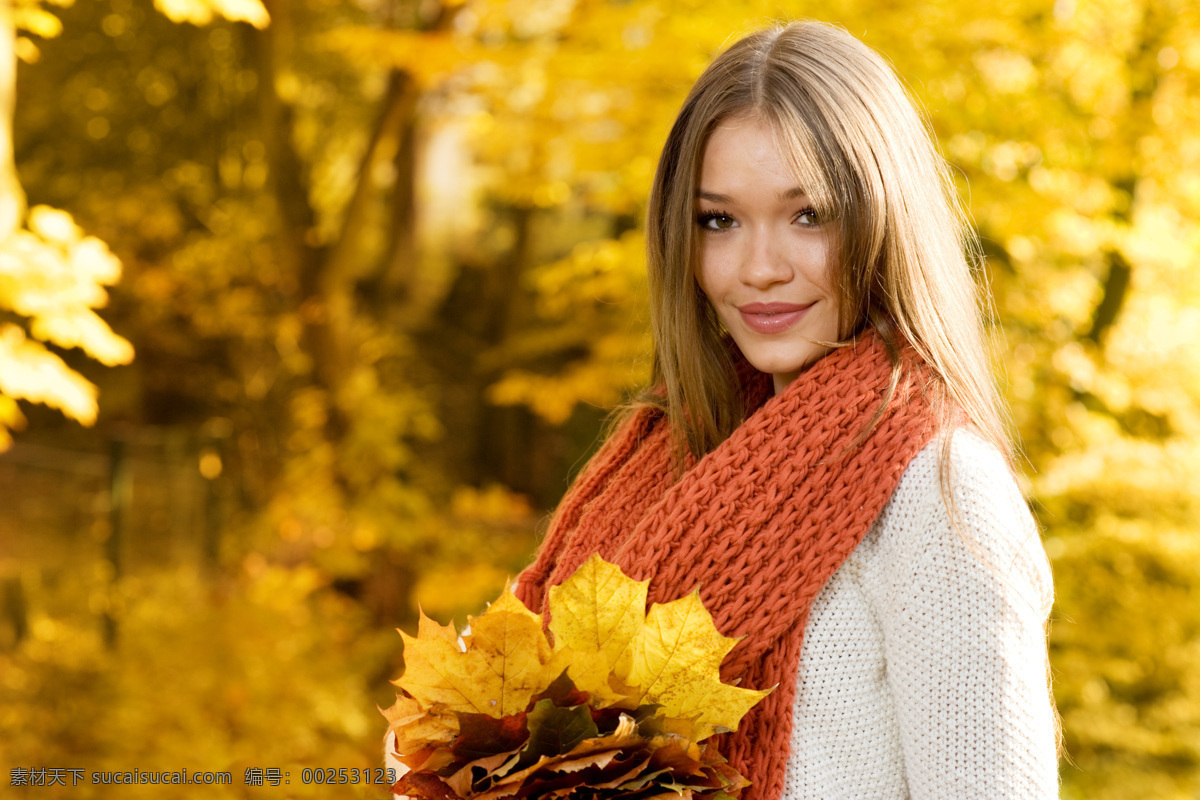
point(716, 222)
point(807, 217)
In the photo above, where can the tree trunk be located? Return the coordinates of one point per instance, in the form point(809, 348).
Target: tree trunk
point(12, 197)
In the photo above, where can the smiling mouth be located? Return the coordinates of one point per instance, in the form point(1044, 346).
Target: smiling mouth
point(768, 318)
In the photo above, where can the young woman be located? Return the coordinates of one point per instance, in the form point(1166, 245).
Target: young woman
point(822, 449)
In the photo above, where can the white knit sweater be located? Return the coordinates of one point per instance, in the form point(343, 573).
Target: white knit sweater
point(923, 672)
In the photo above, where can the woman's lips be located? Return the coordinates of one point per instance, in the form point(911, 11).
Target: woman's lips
point(772, 317)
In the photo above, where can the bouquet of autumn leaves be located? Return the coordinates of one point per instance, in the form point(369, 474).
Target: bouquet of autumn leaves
point(620, 703)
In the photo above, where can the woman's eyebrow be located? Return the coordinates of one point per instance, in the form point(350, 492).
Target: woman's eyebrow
point(716, 197)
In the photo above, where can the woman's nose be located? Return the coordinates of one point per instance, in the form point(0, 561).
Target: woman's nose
point(764, 260)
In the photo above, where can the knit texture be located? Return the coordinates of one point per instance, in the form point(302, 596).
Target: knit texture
point(923, 670)
point(760, 523)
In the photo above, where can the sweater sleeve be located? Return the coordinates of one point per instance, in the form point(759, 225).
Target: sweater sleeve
point(962, 608)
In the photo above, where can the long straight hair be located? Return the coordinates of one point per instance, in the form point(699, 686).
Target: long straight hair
point(867, 160)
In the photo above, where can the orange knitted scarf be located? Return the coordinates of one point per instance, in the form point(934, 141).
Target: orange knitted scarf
point(760, 523)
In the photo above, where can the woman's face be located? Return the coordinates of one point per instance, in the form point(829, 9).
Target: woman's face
point(767, 263)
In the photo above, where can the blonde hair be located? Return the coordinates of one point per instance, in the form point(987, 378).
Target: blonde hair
point(868, 163)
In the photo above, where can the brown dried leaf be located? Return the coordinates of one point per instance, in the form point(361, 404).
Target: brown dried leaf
point(415, 727)
point(423, 786)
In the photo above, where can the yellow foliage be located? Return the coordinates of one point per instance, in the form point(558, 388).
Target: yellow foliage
point(28, 371)
point(55, 276)
point(262, 671)
point(10, 418)
point(554, 397)
point(201, 12)
point(38, 21)
point(444, 590)
point(428, 56)
point(28, 15)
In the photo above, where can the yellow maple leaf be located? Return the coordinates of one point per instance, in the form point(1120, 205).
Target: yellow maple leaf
point(589, 673)
point(430, 629)
point(506, 662)
point(510, 636)
point(598, 610)
point(675, 662)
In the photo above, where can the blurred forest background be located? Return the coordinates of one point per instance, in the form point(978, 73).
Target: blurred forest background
point(309, 309)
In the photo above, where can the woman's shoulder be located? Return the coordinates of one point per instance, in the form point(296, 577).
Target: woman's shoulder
point(958, 515)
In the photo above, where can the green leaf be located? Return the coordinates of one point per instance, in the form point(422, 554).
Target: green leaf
point(554, 730)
